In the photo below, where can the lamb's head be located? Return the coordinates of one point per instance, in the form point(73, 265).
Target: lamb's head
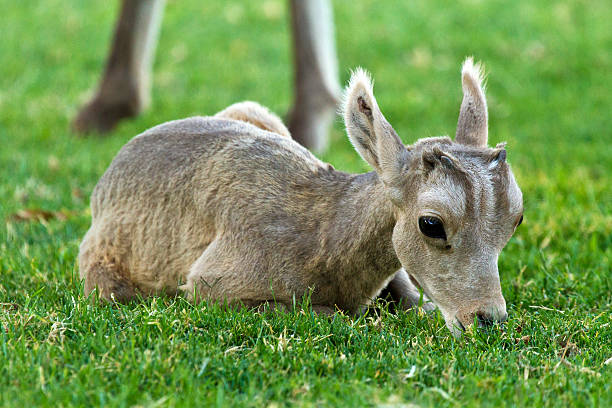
point(456, 203)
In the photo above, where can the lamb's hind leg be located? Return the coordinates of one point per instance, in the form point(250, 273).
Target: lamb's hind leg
point(101, 267)
point(274, 306)
point(110, 280)
point(223, 274)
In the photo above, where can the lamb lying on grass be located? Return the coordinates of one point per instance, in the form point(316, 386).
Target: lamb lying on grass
point(236, 210)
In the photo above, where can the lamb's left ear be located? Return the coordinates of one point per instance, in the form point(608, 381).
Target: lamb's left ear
point(473, 117)
point(368, 130)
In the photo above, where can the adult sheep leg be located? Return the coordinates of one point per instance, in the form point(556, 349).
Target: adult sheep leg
point(317, 90)
point(125, 88)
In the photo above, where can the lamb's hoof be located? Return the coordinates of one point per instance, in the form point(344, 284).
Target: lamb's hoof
point(100, 116)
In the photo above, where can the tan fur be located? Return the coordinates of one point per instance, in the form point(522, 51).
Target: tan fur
point(472, 126)
point(239, 214)
point(255, 114)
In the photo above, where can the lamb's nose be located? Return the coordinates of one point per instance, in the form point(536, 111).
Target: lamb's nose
point(486, 319)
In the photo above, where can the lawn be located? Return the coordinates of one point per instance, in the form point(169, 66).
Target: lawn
point(550, 98)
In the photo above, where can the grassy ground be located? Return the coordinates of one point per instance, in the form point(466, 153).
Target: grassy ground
point(550, 95)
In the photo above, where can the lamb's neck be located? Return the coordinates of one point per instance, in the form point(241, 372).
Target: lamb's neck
point(361, 234)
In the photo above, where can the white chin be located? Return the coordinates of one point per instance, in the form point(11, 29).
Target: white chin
point(453, 324)
point(455, 327)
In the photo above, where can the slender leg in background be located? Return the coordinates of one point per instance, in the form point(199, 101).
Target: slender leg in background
point(317, 91)
point(125, 88)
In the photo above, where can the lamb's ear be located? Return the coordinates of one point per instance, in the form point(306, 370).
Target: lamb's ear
point(368, 130)
point(473, 117)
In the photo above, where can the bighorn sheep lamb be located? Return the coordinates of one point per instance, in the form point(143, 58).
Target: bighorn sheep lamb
point(229, 208)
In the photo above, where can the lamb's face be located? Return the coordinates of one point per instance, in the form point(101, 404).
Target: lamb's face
point(450, 232)
point(457, 203)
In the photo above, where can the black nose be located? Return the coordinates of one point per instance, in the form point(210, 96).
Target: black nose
point(488, 319)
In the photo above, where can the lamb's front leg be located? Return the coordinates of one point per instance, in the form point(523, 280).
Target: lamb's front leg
point(403, 292)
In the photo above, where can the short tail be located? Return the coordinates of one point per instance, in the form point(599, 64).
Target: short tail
point(255, 114)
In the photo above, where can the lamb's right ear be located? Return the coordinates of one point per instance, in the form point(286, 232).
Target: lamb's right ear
point(473, 117)
point(368, 130)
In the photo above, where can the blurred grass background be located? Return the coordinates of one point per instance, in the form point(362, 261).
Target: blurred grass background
point(550, 97)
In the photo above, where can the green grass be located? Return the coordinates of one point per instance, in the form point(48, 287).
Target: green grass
point(549, 92)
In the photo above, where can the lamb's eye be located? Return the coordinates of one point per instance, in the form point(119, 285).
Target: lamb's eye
point(432, 227)
point(519, 222)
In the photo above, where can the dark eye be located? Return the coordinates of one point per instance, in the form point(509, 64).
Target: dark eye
point(432, 227)
point(520, 222)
